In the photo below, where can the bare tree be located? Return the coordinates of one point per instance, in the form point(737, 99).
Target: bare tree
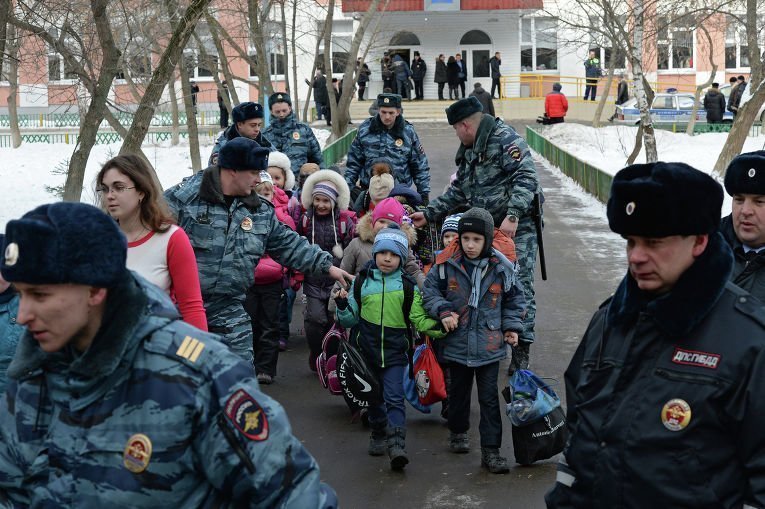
point(257, 16)
point(707, 83)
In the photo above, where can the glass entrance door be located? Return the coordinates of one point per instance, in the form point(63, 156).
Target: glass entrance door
point(478, 67)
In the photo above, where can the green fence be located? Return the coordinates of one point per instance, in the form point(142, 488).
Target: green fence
point(101, 138)
point(592, 179)
point(338, 149)
point(160, 119)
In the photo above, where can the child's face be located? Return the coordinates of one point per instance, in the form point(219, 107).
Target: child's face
point(472, 244)
point(322, 205)
point(387, 261)
point(266, 190)
point(448, 238)
point(380, 224)
point(277, 174)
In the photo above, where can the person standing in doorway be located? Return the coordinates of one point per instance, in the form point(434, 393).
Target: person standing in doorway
point(452, 76)
point(440, 77)
point(494, 63)
point(403, 73)
point(419, 68)
point(388, 77)
point(462, 74)
point(592, 72)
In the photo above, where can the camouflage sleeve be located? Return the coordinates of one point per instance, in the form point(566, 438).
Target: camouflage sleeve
point(355, 162)
point(244, 444)
point(11, 461)
point(516, 159)
point(173, 204)
point(418, 165)
point(445, 203)
point(295, 252)
point(314, 150)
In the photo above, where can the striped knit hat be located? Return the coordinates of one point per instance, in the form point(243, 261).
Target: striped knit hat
point(392, 239)
point(451, 224)
point(326, 188)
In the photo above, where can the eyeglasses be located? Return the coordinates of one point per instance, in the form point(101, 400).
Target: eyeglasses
point(117, 188)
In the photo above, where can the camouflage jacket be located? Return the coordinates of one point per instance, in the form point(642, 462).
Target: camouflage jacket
point(295, 139)
point(497, 173)
point(400, 144)
point(229, 134)
point(154, 414)
point(229, 241)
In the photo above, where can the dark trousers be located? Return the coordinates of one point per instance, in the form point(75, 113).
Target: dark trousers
point(460, 389)
point(317, 322)
point(362, 89)
point(285, 313)
point(441, 91)
point(591, 88)
point(223, 118)
point(552, 120)
point(392, 412)
point(495, 84)
point(390, 83)
point(418, 89)
point(462, 88)
point(319, 109)
point(453, 92)
point(260, 303)
point(403, 88)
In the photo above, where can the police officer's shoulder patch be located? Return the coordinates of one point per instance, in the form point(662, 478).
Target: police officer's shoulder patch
point(514, 152)
point(181, 342)
point(247, 415)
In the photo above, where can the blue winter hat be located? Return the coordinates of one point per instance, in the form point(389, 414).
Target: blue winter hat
point(64, 243)
point(243, 154)
point(392, 239)
point(279, 97)
point(451, 224)
point(246, 110)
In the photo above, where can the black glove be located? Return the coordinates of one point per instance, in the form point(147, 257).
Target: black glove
point(341, 302)
point(425, 198)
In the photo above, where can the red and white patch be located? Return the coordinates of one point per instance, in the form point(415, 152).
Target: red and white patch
point(694, 358)
point(247, 415)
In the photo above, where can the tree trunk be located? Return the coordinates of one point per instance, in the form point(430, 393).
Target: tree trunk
point(175, 130)
point(95, 114)
point(638, 146)
point(283, 3)
point(223, 65)
point(293, 43)
point(258, 38)
point(603, 98)
point(191, 122)
point(184, 26)
point(700, 88)
point(641, 85)
point(13, 79)
point(319, 40)
point(745, 117)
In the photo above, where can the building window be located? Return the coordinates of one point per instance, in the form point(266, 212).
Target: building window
point(58, 68)
point(475, 37)
point(539, 44)
point(602, 45)
point(674, 45)
point(341, 40)
point(137, 60)
point(404, 39)
point(736, 49)
point(201, 56)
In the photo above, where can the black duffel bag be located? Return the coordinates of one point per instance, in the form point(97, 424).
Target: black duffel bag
point(360, 385)
point(541, 439)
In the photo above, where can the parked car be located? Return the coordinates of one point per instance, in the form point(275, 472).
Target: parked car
point(667, 108)
point(726, 89)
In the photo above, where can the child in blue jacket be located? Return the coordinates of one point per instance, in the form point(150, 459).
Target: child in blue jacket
point(382, 334)
point(473, 288)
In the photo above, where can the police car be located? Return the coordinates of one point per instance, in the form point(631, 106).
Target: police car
point(726, 90)
point(667, 108)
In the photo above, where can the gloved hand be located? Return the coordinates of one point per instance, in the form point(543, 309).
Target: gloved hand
point(341, 302)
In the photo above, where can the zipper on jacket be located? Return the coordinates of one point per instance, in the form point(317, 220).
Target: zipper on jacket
point(686, 377)
point(382, 324)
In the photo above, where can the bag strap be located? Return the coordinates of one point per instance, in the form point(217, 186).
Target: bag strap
point(357, 284)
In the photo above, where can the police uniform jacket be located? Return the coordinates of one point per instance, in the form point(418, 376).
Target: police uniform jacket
point(665, 398)
point(155, 413)
point(399, 144)
point(295, 139)
point(496, 173)
point(228, 241)
point(748, 269)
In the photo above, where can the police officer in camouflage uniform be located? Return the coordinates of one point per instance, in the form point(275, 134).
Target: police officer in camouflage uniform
point(388, 135)
point(496, 172)
point(291, 137)
point(113, 401)
point(230, 228)
point(248, 122)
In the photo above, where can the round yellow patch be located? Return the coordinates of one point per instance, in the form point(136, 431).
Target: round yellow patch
point(296, 135)
point(137, 453)
point(676, 414)
point(246, 224)
point(399, 142)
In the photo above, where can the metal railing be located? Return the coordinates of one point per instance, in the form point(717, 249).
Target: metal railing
point(535, 85)
point(335, 151)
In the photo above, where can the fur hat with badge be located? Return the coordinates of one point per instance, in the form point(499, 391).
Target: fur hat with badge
point(280, 160)
point(331, 184)
point(243, 154)
point(64, 243)
point(746, 174)
point(245, 111)
point(663, 199)
point(381, 182)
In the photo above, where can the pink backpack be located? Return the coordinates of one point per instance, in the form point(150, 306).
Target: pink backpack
point(326, 362)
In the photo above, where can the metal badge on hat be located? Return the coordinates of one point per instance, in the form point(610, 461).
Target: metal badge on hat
point(752, 172)
point(279, 97)
point(137, 453)
point(11, 254)
point(630, 208)
point(386, 100)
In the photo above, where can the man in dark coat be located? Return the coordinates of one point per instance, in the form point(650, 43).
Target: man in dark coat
point(362, 76)
point(484, 98)
point(664, 392)
point(462, 74)
point(419, 68)
point(744, 228)
point(494, 63)
point(440, 76)
point(320, 94)
point(622, 94)
point(714, 104)
point(734, 100)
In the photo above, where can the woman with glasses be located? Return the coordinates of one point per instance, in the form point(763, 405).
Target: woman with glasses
point(158, 250)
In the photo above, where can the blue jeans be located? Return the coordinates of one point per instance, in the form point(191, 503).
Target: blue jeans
point(392, 412)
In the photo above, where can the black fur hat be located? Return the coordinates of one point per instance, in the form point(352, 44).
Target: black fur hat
point(246, 110)
point(64, 243)
point(463, 109)
point(279, 97)
point(746, 174)
point(389, 101)
point(662, 199)
point(243, 154)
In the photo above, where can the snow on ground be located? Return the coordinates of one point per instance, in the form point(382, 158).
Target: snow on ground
point(28, 172)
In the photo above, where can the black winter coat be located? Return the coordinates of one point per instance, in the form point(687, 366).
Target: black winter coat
point(440, 74)
point(418, 69)
point(320, 94)
point(749, 274)
point(485, 99)
point(714, 103)
point(452, 74)
point(622, 93)
point(665, 398)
